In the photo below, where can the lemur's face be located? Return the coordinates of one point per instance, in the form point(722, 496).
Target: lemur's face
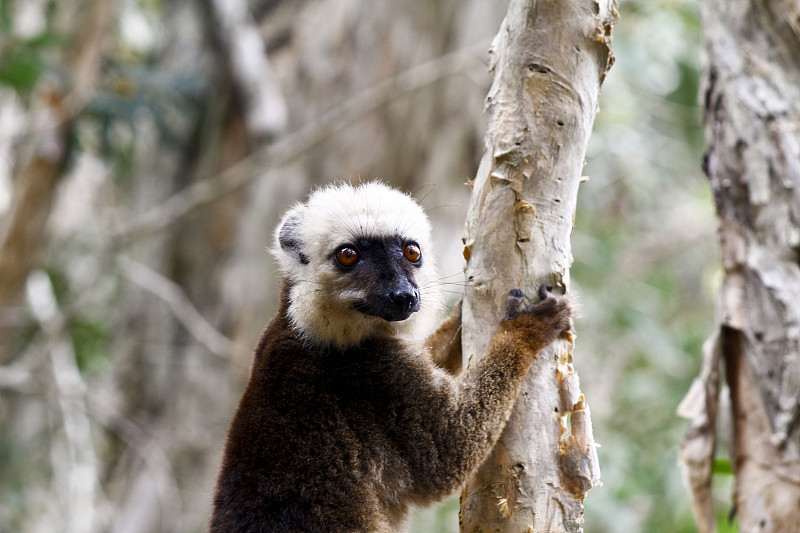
point(359, 262)
point(385, 269)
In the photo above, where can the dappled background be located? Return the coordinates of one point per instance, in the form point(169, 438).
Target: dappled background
point(147, 149)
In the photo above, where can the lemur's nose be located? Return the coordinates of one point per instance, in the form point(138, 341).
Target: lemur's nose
point(405, 300)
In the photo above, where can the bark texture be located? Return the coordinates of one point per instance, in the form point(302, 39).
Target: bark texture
point(752, 110)
point(549, 60)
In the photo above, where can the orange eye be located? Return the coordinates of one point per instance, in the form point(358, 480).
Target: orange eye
point(412, 252)
point(346, 256)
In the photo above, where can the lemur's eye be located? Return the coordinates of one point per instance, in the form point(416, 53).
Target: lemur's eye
point(412, 252)
point(347, 256)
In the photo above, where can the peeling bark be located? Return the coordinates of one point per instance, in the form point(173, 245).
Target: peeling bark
point(697, 452)
point(549, 60)
point(752, 111)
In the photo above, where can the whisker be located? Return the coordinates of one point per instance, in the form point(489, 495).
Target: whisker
point(444, 286)
point(447, 283)
point(434, 283)
point(434, 188)
point(429, 209)
point(436, 290)
point(459, 273)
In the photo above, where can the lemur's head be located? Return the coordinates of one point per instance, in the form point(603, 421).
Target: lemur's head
point(359, 263)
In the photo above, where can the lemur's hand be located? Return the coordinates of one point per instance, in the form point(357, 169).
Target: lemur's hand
point(543, 321)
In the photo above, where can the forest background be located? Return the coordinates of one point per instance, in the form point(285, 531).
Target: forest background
point(162, 164)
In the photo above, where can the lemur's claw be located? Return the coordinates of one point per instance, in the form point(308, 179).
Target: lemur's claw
point(545, 292)
point(516, 303)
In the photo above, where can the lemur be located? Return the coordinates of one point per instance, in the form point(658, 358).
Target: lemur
point(354, 409)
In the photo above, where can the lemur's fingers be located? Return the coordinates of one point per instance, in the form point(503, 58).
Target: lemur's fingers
point(516, 304)
point(545, 292)
point(554, 311)
point(549, 317)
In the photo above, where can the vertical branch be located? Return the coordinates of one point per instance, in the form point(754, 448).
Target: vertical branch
point(549, 60)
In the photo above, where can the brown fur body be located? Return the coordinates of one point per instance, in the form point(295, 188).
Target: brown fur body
point(344, 439)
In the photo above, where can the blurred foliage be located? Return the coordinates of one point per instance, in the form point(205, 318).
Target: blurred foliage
point(91, 339)
point(173, 102)
point(23, 58)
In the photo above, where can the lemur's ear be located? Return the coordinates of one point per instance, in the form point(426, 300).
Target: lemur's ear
point(289, 237)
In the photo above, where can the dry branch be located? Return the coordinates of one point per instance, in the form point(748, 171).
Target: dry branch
point(549, 60)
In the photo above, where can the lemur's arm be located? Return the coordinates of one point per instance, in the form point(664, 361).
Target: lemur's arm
point(445, 343)
point(476, 405)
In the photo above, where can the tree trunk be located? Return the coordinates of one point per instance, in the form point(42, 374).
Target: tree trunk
point(549, 60)
point(752, 111)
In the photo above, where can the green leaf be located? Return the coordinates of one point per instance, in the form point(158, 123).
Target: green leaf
point(90, 339)
point(20, 69)
point(46, 39)
point(722, 467)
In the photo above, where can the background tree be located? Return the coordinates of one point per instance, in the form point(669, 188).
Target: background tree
point(154, 244)
point(751, 94)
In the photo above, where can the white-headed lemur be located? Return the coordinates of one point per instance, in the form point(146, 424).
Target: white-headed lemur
point(355, 408)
